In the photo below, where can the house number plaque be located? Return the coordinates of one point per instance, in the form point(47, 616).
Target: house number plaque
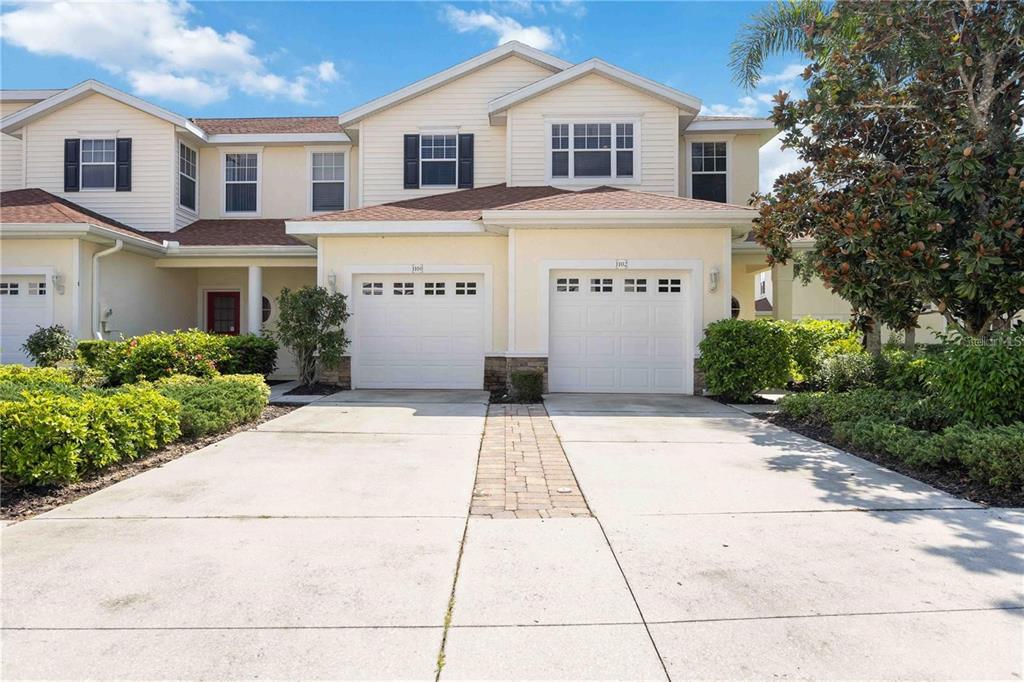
point(622, 264)
point(417, 268)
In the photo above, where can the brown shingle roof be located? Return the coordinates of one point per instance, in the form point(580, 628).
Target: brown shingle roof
point(233, 232)
point(289, 124)
point(465, 204)
point(606, 198)
point(36, 206)
point(469, 204)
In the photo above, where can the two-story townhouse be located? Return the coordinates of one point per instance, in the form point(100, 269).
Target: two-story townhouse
point(514, 210)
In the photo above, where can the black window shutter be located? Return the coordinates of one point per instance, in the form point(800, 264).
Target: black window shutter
point(71, 158)
point(465, 160)
point(124, 164)
point(412, 161)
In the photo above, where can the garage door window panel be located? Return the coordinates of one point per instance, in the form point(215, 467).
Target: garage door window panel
point(9, 289)
point(465, 288)
point(373, 288)
point(403, 288)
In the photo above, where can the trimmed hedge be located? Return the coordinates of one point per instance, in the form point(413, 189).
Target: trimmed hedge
point(217, 404)
point(742, 357)
point(49, 438)
point(162, 354)
point(249, 354)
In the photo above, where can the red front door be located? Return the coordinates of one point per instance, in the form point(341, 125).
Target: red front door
point(223, 312)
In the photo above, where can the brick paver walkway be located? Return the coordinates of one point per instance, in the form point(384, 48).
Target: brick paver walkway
point(523, 471)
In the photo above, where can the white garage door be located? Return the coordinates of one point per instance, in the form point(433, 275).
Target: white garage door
point(418, 331)
point(620, 332)
point(24, 304)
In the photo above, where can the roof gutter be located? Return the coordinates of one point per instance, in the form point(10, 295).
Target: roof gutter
point(76, 231)
point(620, 218)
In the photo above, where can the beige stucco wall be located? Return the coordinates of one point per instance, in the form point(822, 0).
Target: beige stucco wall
point(745, 267)
point(533, 247)
point(347, 254)
point(284, 185)
point(461, 105)
point(62, 256)
point(11, 166)
point(150, 205)
point(742, 164)
point(588, 100)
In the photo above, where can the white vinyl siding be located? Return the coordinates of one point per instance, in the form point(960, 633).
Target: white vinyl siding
point(11, 161)
point(154, 159)
point(460, 105)
point(595, 98)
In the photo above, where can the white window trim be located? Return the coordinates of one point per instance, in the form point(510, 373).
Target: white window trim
point(440, 131)
point(82, 164)
point(193, 211)
point(689, 140)
point(258, 151)
point(593, 181)
point(309, 174)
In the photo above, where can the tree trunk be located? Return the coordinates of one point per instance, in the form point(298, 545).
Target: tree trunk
point(873, 338)
point(910, 339)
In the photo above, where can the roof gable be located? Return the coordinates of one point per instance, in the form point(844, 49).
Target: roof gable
point(84, 89)
point(512, 48)
point(690, 104)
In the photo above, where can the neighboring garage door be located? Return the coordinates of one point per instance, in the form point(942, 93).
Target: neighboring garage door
point(620, 332)
point(418, 331)
point(24, 304)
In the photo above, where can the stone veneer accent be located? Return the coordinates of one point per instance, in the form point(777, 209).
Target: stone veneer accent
point(498, 371)
point(341, 376)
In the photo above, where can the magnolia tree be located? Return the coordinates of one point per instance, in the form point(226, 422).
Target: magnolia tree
point(913, 197)
point(309, 323)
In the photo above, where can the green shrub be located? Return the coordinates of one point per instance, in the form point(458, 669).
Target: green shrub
point(161, 354)
point(811, 340)
point(879, 435)
point(527, 385)
point(36, 377)
point(900, 370)
point(742, 357)
point(249, 354)
point(844, 372)
point(48, 438)
point(310, 323)
point(983, 380)
point(991, 455)
point(91, 352)
point(217, 404)
point(904, 408)
point(49, 345)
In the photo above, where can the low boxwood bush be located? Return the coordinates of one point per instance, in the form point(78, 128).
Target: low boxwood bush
point(48, 346)
point(913, 410)
point(811, 341)
point(881, 436)
point(741, 357)
point(844, 372)
point(163, 354)
point(527, 385)
point(983, 379)
point(217, 404)
point(249, 354)
point(49, 438)
point(992, 456)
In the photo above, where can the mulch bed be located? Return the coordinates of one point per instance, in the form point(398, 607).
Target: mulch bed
point(22, 503)
point(315, 389)
point(756, 400)
point(952, 482)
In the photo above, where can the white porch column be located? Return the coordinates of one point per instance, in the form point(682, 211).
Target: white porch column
point(255, 300)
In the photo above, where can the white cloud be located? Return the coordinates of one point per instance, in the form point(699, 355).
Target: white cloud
point(776, 161)
point(326, 72)
point(505, 28)
point(787, 76)
point(155, 45)
point(747, 107)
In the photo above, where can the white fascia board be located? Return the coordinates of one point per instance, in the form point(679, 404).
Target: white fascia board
point(175, 250)
point(619, 219)
point(75, 231)
point(628, 78)
point(279, 138)
point(378, 228)
point(26, 95)
point(728, 126)
point(19, 118)
point(438, 79)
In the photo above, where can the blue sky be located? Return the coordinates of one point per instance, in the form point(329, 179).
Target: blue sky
point(291, 58)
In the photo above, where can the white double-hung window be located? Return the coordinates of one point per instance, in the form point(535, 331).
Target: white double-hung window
point(438, 160)
point(241, 183)
point(328, 177)
point(593, 151)
point(98, 163)
point(187, 175)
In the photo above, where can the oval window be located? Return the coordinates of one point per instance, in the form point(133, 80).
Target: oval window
point(266, 308)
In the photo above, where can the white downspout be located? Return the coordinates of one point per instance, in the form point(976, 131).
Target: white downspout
point(118, 245)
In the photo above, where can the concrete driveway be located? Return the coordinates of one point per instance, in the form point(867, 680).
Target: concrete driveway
point(334, 543)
